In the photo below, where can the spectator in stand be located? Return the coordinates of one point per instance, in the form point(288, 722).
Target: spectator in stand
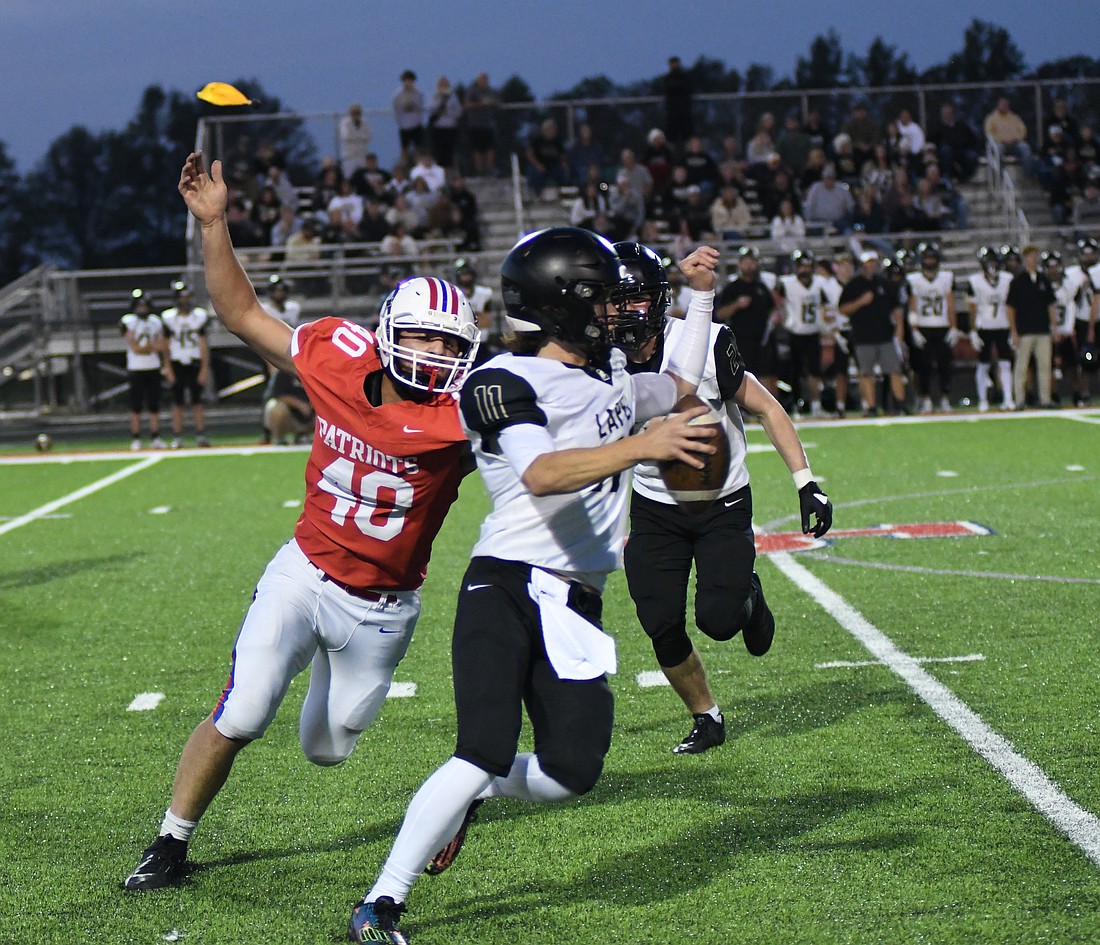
point(444, 221)
point(762, 143)
point(869, 219)
point(702, 169)
point(399, 182)
point(240, 173)
point(1088, 152)
point(892, 197)
point(696, 213)
point(877, 171)
point(245, 231)
point(430, 171)
point(1061, 117)
point(626, 209)
point(481, 106)
point(911, 132)
point(1066, 185)
point(370, 180)
point(1009, 133)
point(355, 135)
point(444, 114)
point(958, 211)
point(345, 211)
point(265, 212)
point(420, 200)
point(276, 178)
point(957, 144)
point(584, 152)
point(401, 212)
point(907, 216)
point(829, 202)
point(469, 219)
point(408, 112)
point(398, 243)
point(844, 159)
point(1032, 322)
point(731, 154)
point(814, 126)
point(730, 216)
point(547, 166)
point(287, 225)
point(793, 144)
point(641, 181)
point(303, 249)
point(591, 202)
point(658, 158)
point(778, 188)
point(1051, 154)
point(788, 232)
point(812, 172)
point(930, 203)
point(327, 187)
point(372, 225)
point(864, 132)
point(679, 103)
point(1086, 210)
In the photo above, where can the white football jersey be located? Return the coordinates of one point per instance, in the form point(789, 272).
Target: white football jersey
point(1085, 282)
point(1066, 295)
point(722, 378)
point(931, 298)
point(148, 330)
point(291, 313)
point(804, 306)
point(833, 288)
point(989, 301)
point(184, 330)
point(578, 534)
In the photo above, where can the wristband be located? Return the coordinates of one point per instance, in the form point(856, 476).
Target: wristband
point(802, 477)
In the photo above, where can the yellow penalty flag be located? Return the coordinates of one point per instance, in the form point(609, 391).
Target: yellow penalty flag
point(222, 93)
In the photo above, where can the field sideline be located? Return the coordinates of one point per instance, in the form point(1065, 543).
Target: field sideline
point(914, 760)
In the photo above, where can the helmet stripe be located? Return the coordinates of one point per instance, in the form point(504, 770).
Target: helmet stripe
point(452, 298)
point(433, 295)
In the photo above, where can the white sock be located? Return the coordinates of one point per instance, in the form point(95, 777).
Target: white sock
point(982, 383)
point(176, 826)
point(528, 782)
point(714, 712)
point(433, 818)
point(1005, 368)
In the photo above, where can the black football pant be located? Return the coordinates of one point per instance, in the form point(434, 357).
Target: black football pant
point(500, 666)
point(935, 357)
point(664, 541)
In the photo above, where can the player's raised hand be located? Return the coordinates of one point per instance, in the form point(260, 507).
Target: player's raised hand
point(698, 268)
point(205, 194)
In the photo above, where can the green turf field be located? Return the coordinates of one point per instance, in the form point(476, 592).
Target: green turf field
point(940, 789)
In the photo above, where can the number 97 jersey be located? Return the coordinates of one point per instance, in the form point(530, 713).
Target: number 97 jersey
point(379, 479)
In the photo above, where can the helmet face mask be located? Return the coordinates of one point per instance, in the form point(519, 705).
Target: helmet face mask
point(804, 264)
point(559, 282)
point(641, 301)
point(990, 260)
point(429, 306)
point(929, 254)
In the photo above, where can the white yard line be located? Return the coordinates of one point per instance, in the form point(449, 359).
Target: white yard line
point(50, 507)
point(1079, 825)
point(846, 664)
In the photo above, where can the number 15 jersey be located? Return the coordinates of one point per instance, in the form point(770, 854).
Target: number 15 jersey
point(379, 479)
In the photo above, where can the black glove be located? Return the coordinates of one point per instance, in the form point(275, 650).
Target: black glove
point(814, 502)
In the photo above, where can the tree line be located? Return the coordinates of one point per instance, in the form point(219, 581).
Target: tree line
point(100, 200)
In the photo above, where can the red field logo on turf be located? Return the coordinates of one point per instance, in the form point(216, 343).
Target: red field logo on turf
point(796, 541)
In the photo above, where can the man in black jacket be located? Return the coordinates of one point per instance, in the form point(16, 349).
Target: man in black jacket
point(1032, 320)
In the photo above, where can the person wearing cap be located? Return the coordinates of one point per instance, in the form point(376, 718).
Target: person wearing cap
point(145, 353)
point(188, 361)
point(871, 304)
point(747, 305)
point(829, 202)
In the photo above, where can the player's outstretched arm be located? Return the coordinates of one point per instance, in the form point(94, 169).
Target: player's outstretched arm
point(687, 362)
point(231, 293)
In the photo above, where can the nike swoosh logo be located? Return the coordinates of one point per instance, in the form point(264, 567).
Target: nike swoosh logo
point(384, 630)
point(734, 502)
point(477, 587)
point(409, 430)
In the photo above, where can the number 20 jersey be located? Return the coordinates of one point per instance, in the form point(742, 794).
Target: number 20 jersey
point(379, 480)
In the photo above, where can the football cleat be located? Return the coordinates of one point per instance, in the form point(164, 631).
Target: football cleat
point(705, 733)
point(445, 857)
point(377, 922)
point(760, 629)
point(164, 863)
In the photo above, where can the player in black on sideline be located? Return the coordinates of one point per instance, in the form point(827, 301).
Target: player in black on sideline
point(665, 538)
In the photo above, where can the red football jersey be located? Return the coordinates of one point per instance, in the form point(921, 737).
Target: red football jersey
point(379, 480)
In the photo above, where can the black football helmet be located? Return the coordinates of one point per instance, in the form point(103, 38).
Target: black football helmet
point(1087, 246)
point(906, 260)
point(989, 258)
point(804, 263)
point(140, 303)
point(1051, 259)
point(632, 324)
point(465, 272)
point(553, 280)
point(1011, 258)
point(929, 255)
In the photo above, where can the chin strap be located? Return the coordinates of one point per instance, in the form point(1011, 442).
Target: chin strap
point(689, 359)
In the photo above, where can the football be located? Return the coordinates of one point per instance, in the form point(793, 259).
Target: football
point(696, 489)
